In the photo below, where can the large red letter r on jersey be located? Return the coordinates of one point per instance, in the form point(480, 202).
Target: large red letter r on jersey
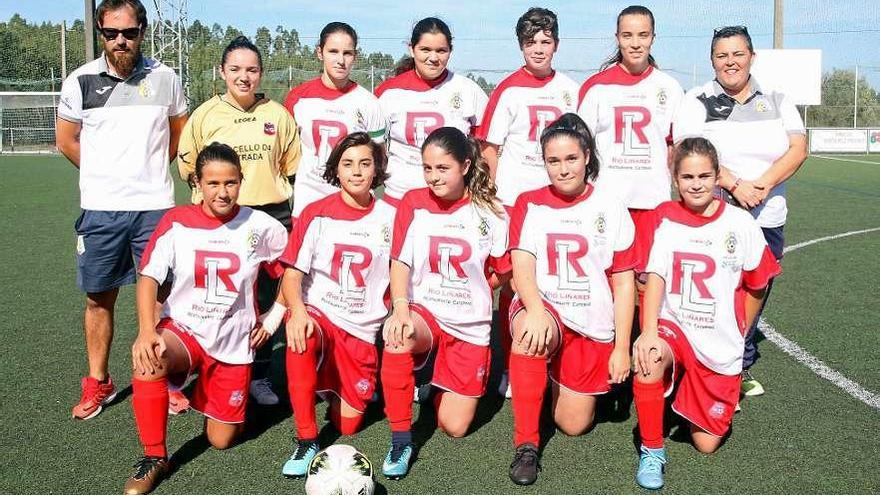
point(420, 124)
point(345, 264)
point(685, 265)
point(215, 265)
point(443, 260)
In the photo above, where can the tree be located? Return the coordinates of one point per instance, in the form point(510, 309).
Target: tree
point(836, 109)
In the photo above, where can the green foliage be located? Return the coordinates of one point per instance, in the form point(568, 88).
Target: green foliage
point(836, 109)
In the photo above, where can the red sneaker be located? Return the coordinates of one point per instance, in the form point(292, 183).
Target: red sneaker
point(177, 402)
point(95, 395)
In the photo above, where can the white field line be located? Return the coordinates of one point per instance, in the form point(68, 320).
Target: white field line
point(812, 362)
point(850, 160)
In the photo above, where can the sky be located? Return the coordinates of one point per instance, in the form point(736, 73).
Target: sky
point(484, 43)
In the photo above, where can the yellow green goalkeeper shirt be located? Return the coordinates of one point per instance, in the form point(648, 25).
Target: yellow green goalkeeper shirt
point(266, 140)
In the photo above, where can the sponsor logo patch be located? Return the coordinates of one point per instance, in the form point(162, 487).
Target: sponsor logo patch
point(269, 129)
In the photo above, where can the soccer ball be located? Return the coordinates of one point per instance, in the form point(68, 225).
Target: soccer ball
point(340, 470)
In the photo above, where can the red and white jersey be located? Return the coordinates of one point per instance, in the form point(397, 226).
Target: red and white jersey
point(415, 108)
point(577, 242)
point(519, 110)
point(448, 247)
point(325, 116)
point(707, 263)
point(345, 254)
point(631, 117)
point(214, 263)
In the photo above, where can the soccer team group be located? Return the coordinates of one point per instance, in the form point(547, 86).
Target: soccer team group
point(555, 194)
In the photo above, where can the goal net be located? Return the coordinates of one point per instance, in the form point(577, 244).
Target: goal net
point(27, 121)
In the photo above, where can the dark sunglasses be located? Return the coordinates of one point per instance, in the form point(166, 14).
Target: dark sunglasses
point(110, 34)
point(727, 31)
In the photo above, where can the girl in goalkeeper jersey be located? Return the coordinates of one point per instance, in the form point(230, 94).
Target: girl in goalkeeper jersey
point(335, 284)
point(266, 139)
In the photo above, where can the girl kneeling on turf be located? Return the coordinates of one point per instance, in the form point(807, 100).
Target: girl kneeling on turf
point(446, 237)
point(707, 271)
point(573, 259)
point(209, 324)
point(335, 282)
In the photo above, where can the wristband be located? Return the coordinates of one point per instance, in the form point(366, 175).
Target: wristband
point(399, 299)
point(271, 319)
point(735, 185)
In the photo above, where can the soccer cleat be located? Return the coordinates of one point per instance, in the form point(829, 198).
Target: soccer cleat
point(261, 391)
point(148, 473)
point(95, 395)
point(396, 463)
point(750, 387)
point(525, 466)
point(177, 402)
point(298, 464)
point(651, 465)
point(422, 393)
point(504, 386)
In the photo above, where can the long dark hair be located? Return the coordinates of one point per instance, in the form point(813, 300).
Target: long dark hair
point(631, 10)
point(574, 127)
point(350, 141)
point(241, 42)
point(337, 27)
point(466, 149)
point(428, 25)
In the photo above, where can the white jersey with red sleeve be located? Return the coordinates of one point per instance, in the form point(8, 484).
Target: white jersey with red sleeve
point(345, 254)
point(325, 116)
point(577, 242)
point(631, 117)
point(707, 264)
point(215, 264)
point(414, 108)
point(448, 247)
point(519, 110)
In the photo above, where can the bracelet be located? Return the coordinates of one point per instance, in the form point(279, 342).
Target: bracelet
point(735, 185)
point(271, 319)
point(399, 299)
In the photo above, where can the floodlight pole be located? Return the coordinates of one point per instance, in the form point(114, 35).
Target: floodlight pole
point(777, 24)
point(89, 28)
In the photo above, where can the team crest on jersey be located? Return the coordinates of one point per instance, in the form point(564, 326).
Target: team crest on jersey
point(455, 101)
point(661, 97)
point(269, 128)
point(566, 97)
point(730, 242)
point(484, 227)
point(236, 398)
point(145, 89)
point(386, 234)
point(762, 106)
point(600, 223)
point(363, 387)
point(253, 239)
point(360, 119)
point(717, 410)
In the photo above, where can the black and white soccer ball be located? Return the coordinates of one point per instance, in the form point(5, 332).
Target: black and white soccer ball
point(340, 470)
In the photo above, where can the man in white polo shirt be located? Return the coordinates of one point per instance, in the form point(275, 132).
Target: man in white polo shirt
point(119, 120)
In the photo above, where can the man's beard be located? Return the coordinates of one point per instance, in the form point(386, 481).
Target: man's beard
point(124, 62)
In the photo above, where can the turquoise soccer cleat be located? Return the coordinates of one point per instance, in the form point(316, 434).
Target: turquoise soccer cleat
point(298, 464)
point(651, 464)
point(396, 464)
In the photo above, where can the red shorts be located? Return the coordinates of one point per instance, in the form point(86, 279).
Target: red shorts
point(705, 397)
point(347, 365)
point(459, 367)
point(644, 222)
point(221, 389)
point(579, 363)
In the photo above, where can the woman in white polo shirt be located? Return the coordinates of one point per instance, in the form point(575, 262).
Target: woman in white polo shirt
point(761, 142)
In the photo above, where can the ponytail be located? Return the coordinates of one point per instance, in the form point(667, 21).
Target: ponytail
point(465, 149)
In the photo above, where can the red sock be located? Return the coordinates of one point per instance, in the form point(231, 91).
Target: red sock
point(397, 387)
point(649, 407)
point(150, 403)
point(302, 381)
point(505, 298)
point(345, 425)
point(528, 379)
